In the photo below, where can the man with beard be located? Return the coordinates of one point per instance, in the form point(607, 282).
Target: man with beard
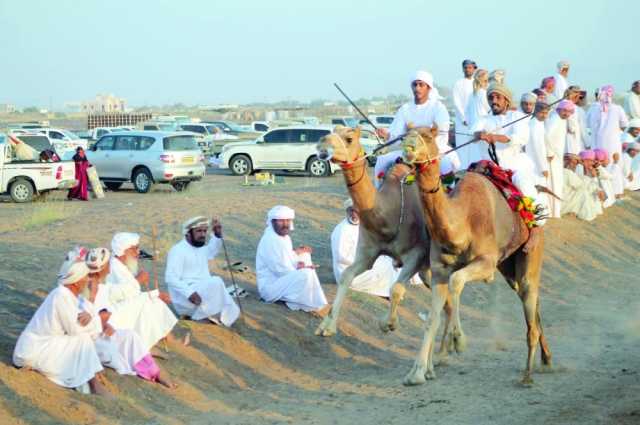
point(344, 242)
point(556, 141)
point(194, 292)
point(118, 349)
point(580, 194)
point(57, 341)
point(632, 101)
point(287, 274)
point(144, 312)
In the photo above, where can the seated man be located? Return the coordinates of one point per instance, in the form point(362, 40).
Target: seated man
point(589, 173)
point(287, 274)
point(119, 349)
point(580, 194)
point(632, 166)
point(144, 312)
point(194, 292)
point(604, 176)
point(344, 240)
point(57, 341)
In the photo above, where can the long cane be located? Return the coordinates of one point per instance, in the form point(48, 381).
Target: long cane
point(154, 260)
point(233, 280)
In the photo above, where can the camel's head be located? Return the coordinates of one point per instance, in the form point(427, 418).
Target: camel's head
point(342, 146)
point(419, 145)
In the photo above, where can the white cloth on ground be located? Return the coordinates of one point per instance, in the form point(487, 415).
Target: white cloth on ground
point(144, 312)
point(56, 345)
point(188, 272)
point(280, 280)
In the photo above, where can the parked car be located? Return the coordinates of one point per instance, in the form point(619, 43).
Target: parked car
point(230, 127)
point(64, 148)
point(65, 141)
point(381, 121)
point(212, 138)
point(147, 157)
point(159, 126)
point(23, 180)
point(287, 148)
point(345, 121)
point(96, 133)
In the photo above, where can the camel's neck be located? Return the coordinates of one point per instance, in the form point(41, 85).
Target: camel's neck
point(360, 187)
point(437, 206)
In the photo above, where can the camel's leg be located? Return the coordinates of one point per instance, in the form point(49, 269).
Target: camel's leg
point(545, 353)
point(425, 275)
point(328, 326)
point(529, 297)
point(417, 374)
point(481, 268)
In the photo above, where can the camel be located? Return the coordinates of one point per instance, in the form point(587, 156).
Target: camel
point(473, 232)
point(392, 223)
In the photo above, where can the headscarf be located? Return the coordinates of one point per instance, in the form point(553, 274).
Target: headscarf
point(633, 146)
point(468, 62)
point(280, 212)
point(634, 123)
point(605, 96)
point(546, 81)
point(563, 64)
point(588, 154)
point(97, 258)
point(77, 157)
point(601, 154)
point(194, 223)
point(501, 89)
point(423, 76)
point(571, 155)
point(123, 241)
point(479, 77)
point(74, 267)
point(497, 76)
point(540, 106)
point(566, 105)
point(528, 97)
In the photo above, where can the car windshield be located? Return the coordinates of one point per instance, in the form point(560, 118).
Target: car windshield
point(180, 143)
point(212, 129)
point(38, 143)
point(351, 122)
point(166, 127)
point(70, 135)
point(384, 120)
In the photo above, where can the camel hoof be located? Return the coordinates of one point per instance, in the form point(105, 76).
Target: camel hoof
point(430, 375)
point(415, 377)
point(389, 325)
point(460, 342)
point(326, 328)
point(545, 368)
point(527, 381)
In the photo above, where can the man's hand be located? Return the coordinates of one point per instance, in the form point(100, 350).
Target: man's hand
point(545, 174)
point(383, 133)
point(481, 135)
point(300, 265)
point(601, 195)
point(549, 158)
point(302, 249)
point(216, 228)
point(84, 318)
point(143, 278)
point(108, 330)
point(165, 297)
point(195, 298)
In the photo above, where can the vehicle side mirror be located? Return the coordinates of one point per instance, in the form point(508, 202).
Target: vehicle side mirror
point(93, 148)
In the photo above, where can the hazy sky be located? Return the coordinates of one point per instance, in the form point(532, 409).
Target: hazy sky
point(239, 51)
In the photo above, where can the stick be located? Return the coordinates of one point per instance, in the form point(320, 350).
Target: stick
point(233, 280)
point(154, 261)
point(366, 118)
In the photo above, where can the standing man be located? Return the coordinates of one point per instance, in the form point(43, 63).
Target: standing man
point(426, 109)
point(632, 101)
point(194, 292)
point(284, 273)
point(556, 141)
point(561, 79)
point(575, 132)
point(536, 148)
point(462, 91)
point(528, 103)
point(548, 86)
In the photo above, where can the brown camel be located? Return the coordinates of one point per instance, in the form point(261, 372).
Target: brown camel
point(392, 223)
point(473, 233)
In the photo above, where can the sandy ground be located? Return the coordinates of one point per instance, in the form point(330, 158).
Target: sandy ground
point(271, 369)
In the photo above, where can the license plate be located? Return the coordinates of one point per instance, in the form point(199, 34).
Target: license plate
point(188, 160)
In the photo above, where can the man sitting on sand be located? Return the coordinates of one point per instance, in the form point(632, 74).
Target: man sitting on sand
point(119, 349)
point(144, 312)
point(194, 292)
point(287, 274)
point(57, 341)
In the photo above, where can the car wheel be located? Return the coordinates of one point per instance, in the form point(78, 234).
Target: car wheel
point(142, 180)
point(21, 191)
point(180, 186)
point(241, 165)
point(113, 186)
point(318, 167)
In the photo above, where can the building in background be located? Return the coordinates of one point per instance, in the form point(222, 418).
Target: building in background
point(7, 108)
point(104, 103)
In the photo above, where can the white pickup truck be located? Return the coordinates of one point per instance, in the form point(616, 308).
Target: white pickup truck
point(23, 180)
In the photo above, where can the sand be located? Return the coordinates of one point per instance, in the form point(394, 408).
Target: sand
point(271, 369)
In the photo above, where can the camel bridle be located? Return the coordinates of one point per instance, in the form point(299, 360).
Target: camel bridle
point(421, 166)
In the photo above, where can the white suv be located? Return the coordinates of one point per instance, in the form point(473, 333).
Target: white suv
point(286, 148)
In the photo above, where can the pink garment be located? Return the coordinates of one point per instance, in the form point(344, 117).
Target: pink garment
point(147, 368)
point(605, 97)
point(601, 154)
point(546, 81)
point(81, 190)
point(588, 154)
point(566, 104)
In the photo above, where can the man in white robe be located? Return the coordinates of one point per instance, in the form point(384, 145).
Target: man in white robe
point(587, 170)
point(118, 349)
point(633, 167)
point(344, 242)
point(632, 101)
point(536, 147)
point(425, 111)
point(562, 83)
point(284, 273)
point(461, 93)
point(548, 86)
point(605, 178)
point(555, 140)
point(57, 341)
point(528, 103)
point(144, 312)
point(579, 193)
point(194, 291)
point(575, 132)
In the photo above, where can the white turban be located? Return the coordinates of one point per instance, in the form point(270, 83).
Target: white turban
point(563, 64)
point(425, 77)
point(634, 123)
point(348, 203)
point(74, 268)
point(280, 212)
point(97, 258)
point(194, 223)
point(123, 241)
point(633, 146)
point(529, 97)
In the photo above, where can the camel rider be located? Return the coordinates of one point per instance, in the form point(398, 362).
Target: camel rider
point(508, 143)
point(425, 110)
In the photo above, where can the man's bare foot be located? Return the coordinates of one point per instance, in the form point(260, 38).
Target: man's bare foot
point(187, 339)
point(165, 382)
point(97, 388)
point(322, 312)
point(534, 238)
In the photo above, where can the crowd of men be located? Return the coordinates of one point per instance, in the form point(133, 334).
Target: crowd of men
point(99, 315)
